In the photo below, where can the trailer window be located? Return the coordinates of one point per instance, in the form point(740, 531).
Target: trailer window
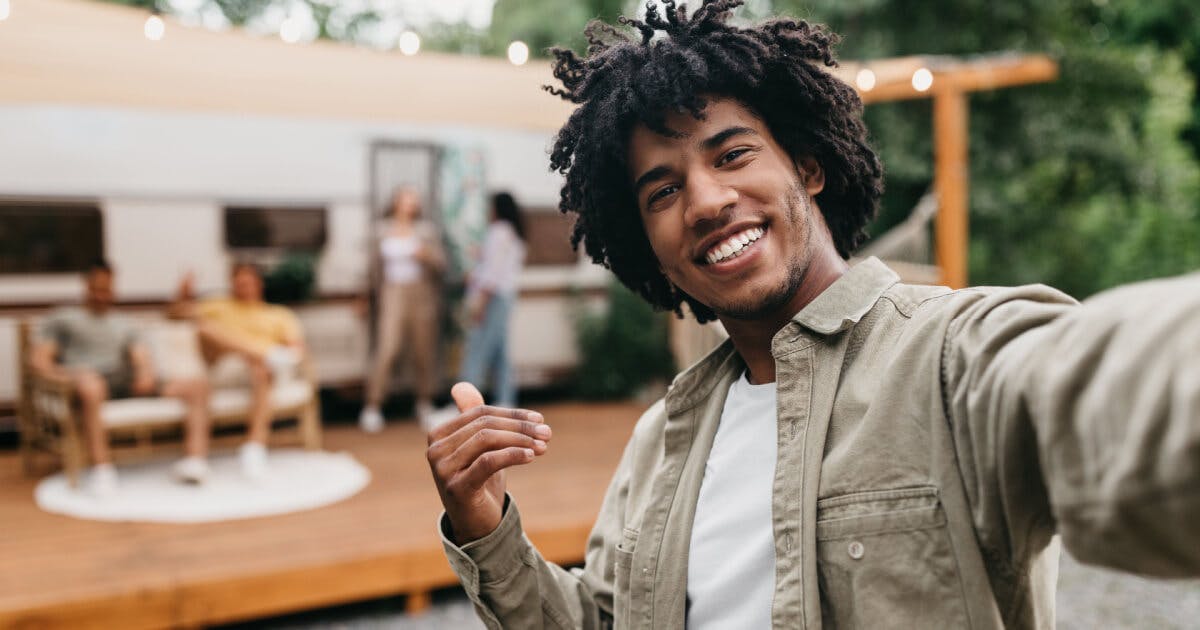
point(49, 237)
point(548, 236)
point(291, 229)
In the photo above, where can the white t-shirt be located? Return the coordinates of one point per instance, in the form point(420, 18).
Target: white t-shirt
point(731, 562)
point(399, 254)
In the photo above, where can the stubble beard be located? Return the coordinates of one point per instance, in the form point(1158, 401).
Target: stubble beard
point(799, 212)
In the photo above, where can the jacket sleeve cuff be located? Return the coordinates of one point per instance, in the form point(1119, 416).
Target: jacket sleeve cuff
point(490, 558)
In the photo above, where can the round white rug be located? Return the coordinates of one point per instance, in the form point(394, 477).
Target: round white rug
point(295, 480)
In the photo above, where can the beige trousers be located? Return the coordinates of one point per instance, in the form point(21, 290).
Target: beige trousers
point(408, 323)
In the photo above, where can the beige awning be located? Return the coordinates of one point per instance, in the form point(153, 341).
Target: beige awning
point(83, 52)
point(92, 53)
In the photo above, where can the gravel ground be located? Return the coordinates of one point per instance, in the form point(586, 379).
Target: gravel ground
point(1088, 598)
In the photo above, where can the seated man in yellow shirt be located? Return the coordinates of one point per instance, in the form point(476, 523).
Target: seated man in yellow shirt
point(268, 337)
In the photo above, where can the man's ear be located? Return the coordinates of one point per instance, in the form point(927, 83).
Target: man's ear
point(812, 176)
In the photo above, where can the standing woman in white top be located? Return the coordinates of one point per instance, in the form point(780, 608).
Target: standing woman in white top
point(407, 266)
point(491, 292)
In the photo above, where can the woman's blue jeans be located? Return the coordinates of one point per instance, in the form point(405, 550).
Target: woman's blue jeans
point(487, 351)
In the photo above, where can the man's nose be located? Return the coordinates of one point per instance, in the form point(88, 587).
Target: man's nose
point(707, 197)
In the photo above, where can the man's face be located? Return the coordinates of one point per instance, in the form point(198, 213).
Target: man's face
point(98, 287)
point(726, 210)
point(247, 285)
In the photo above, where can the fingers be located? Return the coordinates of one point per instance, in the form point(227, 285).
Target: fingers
point(493, 462)
point(466, 396)
point(483, 440)
point(487, 435)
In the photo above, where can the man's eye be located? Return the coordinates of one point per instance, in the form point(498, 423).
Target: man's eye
point(660, 194)
point(731, 156)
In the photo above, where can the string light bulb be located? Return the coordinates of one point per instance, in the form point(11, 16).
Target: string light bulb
point(155, 28)
point(922, 80)
point(289, 30)
point(5, 10)
point(518, 53)
point(865, 80)
point(410, 43)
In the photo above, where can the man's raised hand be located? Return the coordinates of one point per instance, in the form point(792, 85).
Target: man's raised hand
point(469, 454)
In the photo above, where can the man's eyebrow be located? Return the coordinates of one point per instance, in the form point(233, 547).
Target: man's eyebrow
point(655, 173)
point(707, 145)
point(720, 137)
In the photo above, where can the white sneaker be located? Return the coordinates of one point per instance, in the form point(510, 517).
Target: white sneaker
point(191, 469)
point(370, 420)
point(253, 457)
point(102, 481)
point(424, 411)
point(435, 419)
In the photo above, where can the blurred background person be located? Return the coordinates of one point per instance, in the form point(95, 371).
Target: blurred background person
point(266, 336)
point(491, 295)
point(99, 352)
point(408, 262)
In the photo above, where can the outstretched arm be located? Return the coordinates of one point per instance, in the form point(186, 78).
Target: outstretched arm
point(1084, 420)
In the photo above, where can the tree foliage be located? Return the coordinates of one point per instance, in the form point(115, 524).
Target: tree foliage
point(1084, 183)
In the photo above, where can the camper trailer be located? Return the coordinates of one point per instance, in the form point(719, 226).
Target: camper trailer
point(160, 195)
point(180, 156)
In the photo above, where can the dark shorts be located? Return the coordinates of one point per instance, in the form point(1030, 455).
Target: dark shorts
point(121, 386)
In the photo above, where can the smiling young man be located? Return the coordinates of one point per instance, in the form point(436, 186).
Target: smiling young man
point(861, 452)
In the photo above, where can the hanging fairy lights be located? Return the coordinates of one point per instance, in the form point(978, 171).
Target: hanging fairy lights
point(409, 43)
point(865, 80)
point(922, 80)
point(518, 53)
point(291, 30)
point(154, 28)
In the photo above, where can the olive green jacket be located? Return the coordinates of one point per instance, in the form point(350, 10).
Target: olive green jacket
point(930, 444)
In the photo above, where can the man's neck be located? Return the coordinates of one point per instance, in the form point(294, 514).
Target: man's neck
point(752, 338)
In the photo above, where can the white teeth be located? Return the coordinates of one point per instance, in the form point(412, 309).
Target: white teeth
point(733, 246)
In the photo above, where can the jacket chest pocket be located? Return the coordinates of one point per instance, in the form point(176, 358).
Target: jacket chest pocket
point(885, 561)
point(622, 577)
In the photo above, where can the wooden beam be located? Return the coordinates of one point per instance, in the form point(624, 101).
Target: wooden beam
point(951, 184)
point(894, 77)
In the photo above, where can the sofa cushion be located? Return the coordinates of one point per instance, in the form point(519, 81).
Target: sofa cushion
point(134, 411)
point(174, 349)
point(236, 401)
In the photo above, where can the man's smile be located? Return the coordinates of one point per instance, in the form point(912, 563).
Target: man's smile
point(732, 246)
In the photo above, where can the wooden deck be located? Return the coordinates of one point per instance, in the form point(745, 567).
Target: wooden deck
point(62, 572)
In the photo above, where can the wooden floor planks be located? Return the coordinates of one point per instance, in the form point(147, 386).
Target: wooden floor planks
point(62, 572)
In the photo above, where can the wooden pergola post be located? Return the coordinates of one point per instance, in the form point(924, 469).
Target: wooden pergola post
point(950, 181)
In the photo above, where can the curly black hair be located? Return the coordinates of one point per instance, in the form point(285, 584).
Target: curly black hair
point(631, 77)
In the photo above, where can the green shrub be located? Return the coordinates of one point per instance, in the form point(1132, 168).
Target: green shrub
point(291, 281)
point(621, 349)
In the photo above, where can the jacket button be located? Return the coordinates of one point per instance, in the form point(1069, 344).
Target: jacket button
point(855, 549)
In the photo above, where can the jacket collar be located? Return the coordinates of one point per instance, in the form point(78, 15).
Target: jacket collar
point(836, 309)
point(848, 299)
